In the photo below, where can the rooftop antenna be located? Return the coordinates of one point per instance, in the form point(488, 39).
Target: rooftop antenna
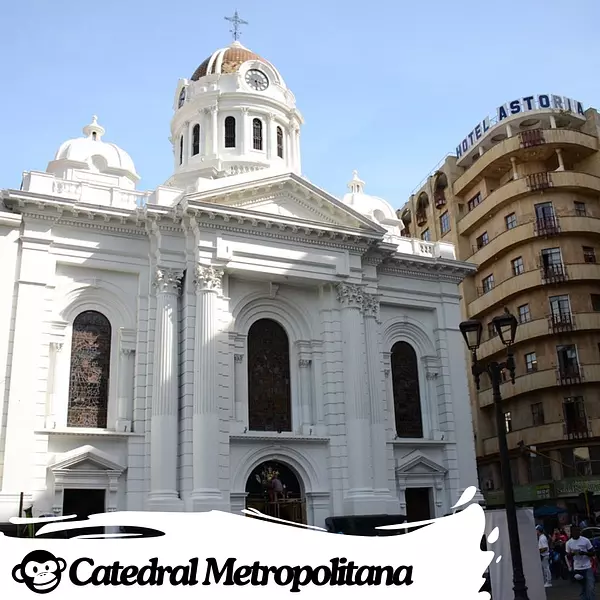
point(236, 25)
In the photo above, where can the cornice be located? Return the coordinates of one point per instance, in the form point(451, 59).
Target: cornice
point(427, 268)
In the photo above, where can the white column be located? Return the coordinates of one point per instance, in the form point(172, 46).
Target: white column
point(125, 398)
point(164, 428)
point(214, 123)
point(53, 387)
point(317, 388)
point(245, 131)
point(561, 163)
point(375, 376)
point(515, 171)
point(552, 122)
point(356, 402)
point(238, 366)
point(291, 151)
point(270, 139)
point(206, 494)
point(297, 160)
point(304, 373)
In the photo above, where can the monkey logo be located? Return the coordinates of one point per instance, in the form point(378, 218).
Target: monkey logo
point(40, 571)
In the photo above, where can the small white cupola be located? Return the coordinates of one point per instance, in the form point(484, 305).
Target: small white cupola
point(94, 131)
point(91, 159)
point(356, 185)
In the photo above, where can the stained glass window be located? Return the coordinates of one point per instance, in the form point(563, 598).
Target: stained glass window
point(257, 134)
point(269, 390)
point(90, 370)
point(407, 396)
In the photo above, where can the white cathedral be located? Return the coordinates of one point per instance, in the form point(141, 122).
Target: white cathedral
point(237, 337)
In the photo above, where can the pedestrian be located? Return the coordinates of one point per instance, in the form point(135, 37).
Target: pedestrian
point(544, 548)
point(579, 550)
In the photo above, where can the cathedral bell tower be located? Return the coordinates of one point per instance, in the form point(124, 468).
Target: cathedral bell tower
point(234, 115)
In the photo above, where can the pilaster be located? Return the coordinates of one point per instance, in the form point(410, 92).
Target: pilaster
point(164, 430)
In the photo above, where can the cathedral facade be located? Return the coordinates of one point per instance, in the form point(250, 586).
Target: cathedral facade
point(237, 337)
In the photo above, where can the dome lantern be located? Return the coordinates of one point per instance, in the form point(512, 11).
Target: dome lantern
point(93, 130)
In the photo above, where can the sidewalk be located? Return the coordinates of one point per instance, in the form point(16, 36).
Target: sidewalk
point(565, 590)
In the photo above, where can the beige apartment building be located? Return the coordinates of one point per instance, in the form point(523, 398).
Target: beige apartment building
point(521, 200)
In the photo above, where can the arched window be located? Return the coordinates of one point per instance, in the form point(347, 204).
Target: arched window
point(269, 390)
point(90, 371)
point(257, 136)
point(229, 132)
point(181, 150)
point(280, 142)
point(407, 396)
point(196, 140)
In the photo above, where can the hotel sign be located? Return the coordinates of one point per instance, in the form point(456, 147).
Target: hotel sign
point(515, 107)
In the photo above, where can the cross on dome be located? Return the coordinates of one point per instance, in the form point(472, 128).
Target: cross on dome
point(93, 130)
point(356, 185)
point(236, 25)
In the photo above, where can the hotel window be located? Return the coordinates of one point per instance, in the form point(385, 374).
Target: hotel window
point(181, 150)
point(482, 240)
point(531, 364)
point(474, 201)
point(575, 417)
point(508, 422)
point(445, 223)
point(511, 221)
point(492, 332)
point(595, 302)
point(487, 283)
point(518, 268)
point(196, 140)
point(426, 235)
point(560, 309)
point(580, 209)
point(589, 254)
point(280, 142)
point(568, 361)
point(540, 468)
point(524, 313)
point(537, 413)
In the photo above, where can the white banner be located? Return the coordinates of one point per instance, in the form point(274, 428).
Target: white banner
point(222, 555)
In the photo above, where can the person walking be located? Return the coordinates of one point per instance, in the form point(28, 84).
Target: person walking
point(579, 550)
point(544, 548)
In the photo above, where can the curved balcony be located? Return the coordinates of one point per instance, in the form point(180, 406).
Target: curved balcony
point(567, 222)
point(536, 328)
point(539, 380)
point(528, 280)
point(513, 146)
point(532, 436)
point(504, 195)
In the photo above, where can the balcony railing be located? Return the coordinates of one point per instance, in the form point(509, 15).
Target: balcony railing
point(561, 321)
point(533, 137)
point(569, 375)
point(538, 181)
point(421, 218)
point(577, 429)
point(546, 226)
point(439, 199)
point(554, 273)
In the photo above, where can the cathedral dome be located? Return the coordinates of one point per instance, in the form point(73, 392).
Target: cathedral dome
point(227, 60)
point(100, 156)
point(375, 208)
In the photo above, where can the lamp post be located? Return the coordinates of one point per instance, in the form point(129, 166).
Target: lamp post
point(506, 327)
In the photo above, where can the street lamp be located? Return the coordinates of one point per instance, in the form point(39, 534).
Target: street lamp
point(506, 327)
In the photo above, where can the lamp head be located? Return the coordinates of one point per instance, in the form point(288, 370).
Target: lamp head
point(471, 331)
point(506, 327)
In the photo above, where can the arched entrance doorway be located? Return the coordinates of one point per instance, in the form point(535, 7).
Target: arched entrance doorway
point(275, 490)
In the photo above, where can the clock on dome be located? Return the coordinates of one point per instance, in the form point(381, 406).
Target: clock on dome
point(257, 80)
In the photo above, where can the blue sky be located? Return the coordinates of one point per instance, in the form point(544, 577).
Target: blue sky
point(385, 87)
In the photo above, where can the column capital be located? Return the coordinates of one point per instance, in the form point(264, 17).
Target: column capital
point(168, 281)
point(370, 306)
point(56, 346)
point(208, 279)
point(244, 110)
point(350, 295)
point(304, 362)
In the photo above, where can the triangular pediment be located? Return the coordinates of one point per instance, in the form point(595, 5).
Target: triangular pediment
point(86, 458)
point(290, 197)
point(418, 464)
